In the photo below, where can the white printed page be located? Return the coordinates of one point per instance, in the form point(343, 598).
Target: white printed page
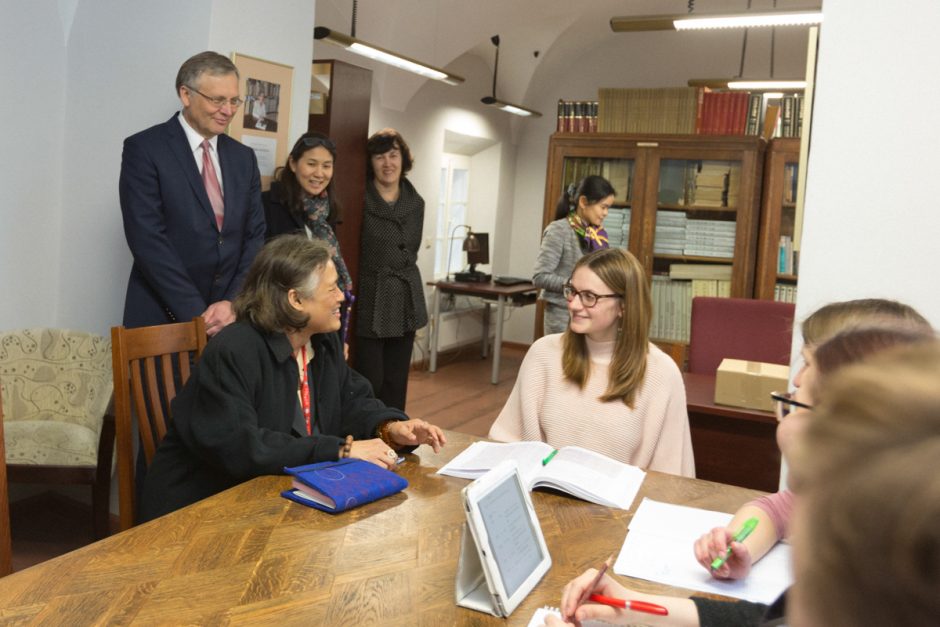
point(659, 548)
point(593, 477)
point(479, 457)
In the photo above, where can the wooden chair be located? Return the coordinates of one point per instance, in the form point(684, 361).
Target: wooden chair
point(739, 328)
point(57, 386)
point(148, 364)
point(6, 550)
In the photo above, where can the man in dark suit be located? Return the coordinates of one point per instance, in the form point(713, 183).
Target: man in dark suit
point(191, 202)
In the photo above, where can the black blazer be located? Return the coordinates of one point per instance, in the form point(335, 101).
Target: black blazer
point(182, 263)
point(237, 417)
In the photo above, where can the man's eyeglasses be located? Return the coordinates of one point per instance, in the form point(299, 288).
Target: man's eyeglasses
point(784, 403)
point(218, 101)
point(588, 299)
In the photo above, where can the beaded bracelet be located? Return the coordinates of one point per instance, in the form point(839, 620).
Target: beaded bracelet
point(382, 432)
point(347, 447)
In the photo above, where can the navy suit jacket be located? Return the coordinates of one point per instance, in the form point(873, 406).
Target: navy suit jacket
point(182, 262)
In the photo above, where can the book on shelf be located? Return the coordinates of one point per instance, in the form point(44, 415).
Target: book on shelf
point(700, 271)
point(582, 473)
point(576, 116)
point(785, 292)
point(664, 110)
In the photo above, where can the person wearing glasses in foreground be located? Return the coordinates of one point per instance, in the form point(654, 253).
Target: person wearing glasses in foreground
point(273, 389)
point(773, 511)
point(191, 204)
point(833, 359)
point(601, 384)
point(302, 199)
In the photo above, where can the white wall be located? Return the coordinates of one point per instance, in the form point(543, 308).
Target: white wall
point(871, 219)
point(88, 74)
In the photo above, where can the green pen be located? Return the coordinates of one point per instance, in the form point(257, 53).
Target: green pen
point(550, 456)
point(749, 525)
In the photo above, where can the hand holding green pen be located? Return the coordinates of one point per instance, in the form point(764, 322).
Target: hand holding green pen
point(746, 529)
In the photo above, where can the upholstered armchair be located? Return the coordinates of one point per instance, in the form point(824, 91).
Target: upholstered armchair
point(56, 388)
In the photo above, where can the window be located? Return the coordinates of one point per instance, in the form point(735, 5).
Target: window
point(451, 212)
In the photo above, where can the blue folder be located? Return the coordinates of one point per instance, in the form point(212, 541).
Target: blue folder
point(337, 486)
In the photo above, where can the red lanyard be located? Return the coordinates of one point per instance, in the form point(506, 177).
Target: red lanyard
point(305, 388)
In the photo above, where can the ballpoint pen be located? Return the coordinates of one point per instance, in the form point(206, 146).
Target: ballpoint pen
point(550, 456)
point(749, 525)
point(636, 606)
point(597, 578)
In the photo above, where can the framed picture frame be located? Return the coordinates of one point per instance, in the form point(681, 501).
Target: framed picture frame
point(263, 123)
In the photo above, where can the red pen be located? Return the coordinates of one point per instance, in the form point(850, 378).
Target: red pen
point(636, 606)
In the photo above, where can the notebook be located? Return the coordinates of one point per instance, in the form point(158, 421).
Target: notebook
point(337, 486)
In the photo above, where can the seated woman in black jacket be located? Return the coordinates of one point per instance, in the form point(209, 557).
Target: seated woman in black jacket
point(273, 390)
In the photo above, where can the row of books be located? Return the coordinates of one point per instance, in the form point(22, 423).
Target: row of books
point(619, 172)
point(786, 256)
point(577, 116)
point(676, 234)
point(672, 304)
point(617, 225)
point(790, 176)
point(785, 292)
point(698, 110)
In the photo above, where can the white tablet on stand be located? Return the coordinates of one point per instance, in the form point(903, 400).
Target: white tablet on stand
point(504, 555)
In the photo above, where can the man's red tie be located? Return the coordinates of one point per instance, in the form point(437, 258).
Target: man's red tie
point(211, 181)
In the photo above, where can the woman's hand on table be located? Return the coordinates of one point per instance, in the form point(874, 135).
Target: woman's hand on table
point(415, 432)
point(375, 451)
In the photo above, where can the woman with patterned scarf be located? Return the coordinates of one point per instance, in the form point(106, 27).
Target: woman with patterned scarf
point(576, 231)
point(302, 200)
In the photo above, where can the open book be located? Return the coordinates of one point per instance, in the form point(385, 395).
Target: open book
point(582, 473)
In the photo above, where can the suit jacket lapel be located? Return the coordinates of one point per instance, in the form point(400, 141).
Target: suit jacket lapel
point(180, 148)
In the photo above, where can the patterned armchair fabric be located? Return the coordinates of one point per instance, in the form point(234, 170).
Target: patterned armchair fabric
point(56, 388)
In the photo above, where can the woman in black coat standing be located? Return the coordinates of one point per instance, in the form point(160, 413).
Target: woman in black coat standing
point(391, 306)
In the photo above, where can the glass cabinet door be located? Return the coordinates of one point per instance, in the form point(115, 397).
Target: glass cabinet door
point(620, 174)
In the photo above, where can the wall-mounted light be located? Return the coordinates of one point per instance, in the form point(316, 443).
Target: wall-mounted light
point(493, 101)
point(704, 21)
point(382, 55)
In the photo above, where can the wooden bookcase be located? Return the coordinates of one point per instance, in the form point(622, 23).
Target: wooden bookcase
point(778, 210)
point(652, 173)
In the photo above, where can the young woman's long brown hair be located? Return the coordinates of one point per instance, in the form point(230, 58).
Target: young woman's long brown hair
point(622, 273)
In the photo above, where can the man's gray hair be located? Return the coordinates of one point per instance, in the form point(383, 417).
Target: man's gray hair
point(207, 62)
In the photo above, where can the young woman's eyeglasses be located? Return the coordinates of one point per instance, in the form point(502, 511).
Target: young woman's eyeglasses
point(218, 101)
point(784, 403)
point(588, 299)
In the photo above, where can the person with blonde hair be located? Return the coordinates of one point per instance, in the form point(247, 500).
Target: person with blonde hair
point(774, 511)
point(868, 522)
point(865, 414)
point(601, 384)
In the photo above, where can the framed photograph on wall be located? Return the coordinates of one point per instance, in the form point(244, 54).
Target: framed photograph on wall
point(263, 123)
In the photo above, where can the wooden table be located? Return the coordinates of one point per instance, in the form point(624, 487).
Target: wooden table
point(732, 445)
point(248, 556)
point(520, 294)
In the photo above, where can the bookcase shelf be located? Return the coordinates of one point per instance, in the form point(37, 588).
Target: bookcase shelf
point(778, 211)
point(659, 177)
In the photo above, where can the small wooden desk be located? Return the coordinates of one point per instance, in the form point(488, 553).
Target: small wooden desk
point(521, 294)
point(732, 445)
point(248, 556)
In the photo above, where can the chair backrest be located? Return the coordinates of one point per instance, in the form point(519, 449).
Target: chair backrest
point(150, 364)
point(6, 550)
point(739, 328)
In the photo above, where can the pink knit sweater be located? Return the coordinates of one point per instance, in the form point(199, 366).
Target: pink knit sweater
point(545, 406)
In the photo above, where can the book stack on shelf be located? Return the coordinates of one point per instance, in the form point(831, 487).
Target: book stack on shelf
point(672, 309)
point(790, 175)
point(617, 225)
point(577, 116)
point(670, 233)
point(710, 184)
point(707, 279)
point(709, 238)
point(787, 256)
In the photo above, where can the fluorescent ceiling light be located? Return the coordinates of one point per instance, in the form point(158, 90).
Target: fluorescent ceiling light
point(510, 108)
point(382, 55)
point(704, 21)
point(750, 84)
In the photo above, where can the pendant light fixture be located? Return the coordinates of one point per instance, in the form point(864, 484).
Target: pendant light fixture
point(629, 24)
point(493, 101)
point(377, 53)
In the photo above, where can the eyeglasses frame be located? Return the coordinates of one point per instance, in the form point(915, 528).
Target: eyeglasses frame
point(232, 102)
point(574, 292)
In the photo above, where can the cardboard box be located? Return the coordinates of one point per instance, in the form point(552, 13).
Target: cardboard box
point(749, 383)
